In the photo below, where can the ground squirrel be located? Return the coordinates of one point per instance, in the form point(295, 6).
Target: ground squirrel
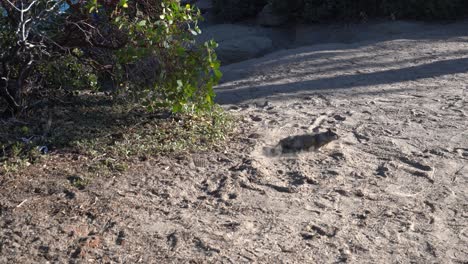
point(306, 142)
point(303, 142)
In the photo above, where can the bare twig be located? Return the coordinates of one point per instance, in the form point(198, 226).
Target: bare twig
point(22, 203)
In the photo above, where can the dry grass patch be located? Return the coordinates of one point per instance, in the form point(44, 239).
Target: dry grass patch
point(100, 134)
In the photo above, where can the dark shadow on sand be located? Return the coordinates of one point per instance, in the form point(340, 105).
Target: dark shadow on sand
point(233, 95)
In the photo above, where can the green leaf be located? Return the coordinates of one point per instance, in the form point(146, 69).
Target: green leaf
point(123, 3)
point(218, 74)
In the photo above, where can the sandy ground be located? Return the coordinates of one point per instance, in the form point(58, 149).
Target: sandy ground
point(392, 189)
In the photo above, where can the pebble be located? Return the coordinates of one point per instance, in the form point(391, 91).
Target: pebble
point(339, 118)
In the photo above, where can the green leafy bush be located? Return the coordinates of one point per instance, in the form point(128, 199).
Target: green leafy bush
point(57, 44)
point(187, 72)
point(73, 75)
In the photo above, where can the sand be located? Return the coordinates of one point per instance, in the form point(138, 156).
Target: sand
point(392, 189)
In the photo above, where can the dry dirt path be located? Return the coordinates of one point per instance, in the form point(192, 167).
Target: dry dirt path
point(392, 189)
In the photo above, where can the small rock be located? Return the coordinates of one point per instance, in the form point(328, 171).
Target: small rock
point(307, 235)
point(311, 180)
point(389, 213)
point(224, 197)
point(359, 193)
point(339, 118)
point(462, 152)
point(345, 253)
